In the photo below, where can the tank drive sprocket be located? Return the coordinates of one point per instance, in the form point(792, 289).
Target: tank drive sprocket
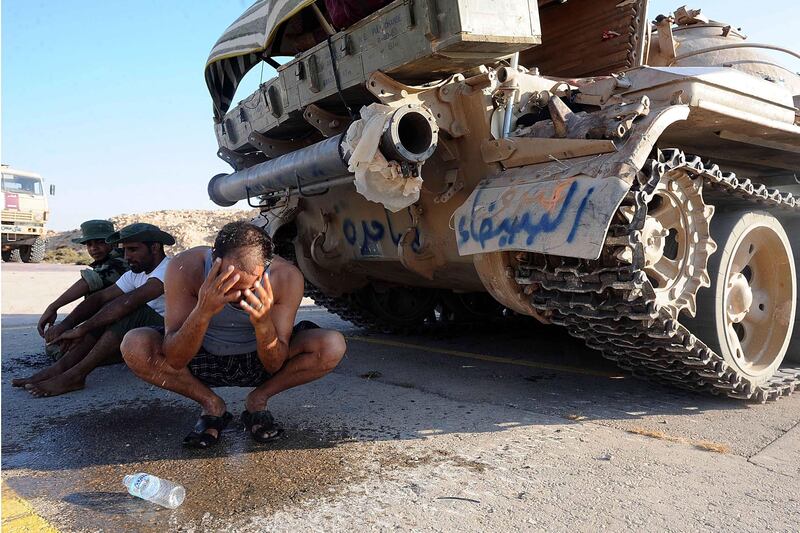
point(676, 238)
point(614, 305)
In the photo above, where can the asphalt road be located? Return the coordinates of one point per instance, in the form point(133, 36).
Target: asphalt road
point(512, 430)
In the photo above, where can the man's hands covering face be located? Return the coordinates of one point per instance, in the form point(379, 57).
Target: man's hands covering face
point(258, 301)
point(216, 291)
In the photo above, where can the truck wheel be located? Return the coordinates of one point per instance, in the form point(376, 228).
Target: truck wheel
point(33, 253)
point(12, 256)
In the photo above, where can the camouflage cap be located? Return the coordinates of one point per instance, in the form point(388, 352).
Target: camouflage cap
point(141, 232)
point(93, 230)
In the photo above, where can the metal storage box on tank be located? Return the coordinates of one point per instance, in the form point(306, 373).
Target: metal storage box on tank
point(416, 40)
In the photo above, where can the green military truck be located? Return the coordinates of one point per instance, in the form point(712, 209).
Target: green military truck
point(24, 216)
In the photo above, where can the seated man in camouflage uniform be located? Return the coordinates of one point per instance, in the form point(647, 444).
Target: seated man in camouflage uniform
point(96, 327)
point(106, 268)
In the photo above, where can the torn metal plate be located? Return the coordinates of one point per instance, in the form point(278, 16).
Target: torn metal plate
point(567, 216)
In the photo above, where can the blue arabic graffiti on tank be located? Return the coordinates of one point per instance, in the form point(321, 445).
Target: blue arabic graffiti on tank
point(507, 229)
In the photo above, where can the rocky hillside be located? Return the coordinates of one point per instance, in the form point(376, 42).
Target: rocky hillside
point(189, 227)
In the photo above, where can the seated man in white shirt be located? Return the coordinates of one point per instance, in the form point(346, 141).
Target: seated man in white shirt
point(94, 329)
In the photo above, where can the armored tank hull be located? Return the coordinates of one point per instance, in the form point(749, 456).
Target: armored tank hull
point(437, 164)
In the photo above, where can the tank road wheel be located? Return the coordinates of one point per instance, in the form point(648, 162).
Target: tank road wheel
point(404, 307)
point(748, 313)
point(477, 307)
point(33, 253)
point(677, 241)
point(793, 354)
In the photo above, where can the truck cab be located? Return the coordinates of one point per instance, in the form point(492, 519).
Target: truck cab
point(24, 216)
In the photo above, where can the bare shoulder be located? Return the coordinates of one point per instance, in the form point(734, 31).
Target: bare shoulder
point(285, 276)
point(188, 267)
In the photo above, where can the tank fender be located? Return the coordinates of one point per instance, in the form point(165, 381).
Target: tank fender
point(562, 207)
point(565, 216)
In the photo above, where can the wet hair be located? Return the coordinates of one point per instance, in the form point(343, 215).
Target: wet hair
point(248, 244)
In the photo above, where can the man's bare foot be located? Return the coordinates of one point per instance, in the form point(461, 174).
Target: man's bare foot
point(55, 386)
point(49, 372)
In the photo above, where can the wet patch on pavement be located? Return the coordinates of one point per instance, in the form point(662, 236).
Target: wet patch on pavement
point(80, 460)
point(95, 450)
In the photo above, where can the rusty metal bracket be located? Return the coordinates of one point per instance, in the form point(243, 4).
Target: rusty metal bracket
point(239, 161)
point(329, 124)
point(454, 184)
point(273, 148)
point(389, 91)
point(425, 261)
point(443, 99)
point(327, 259)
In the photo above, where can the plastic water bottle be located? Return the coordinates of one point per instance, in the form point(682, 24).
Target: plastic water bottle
point(154, 489)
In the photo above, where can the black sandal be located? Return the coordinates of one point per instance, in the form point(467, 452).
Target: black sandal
point(268, 430)
point(198, 438)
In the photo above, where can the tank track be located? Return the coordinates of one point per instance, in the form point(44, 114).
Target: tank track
point(345, 308)
point(611, 305)
point(348, 307)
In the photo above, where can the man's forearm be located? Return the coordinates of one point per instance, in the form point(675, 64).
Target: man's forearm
point(77, 290)
point(271, 351)
point(181, 346)
point(84, 310)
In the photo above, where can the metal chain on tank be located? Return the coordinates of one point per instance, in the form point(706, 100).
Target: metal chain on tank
point(611, 305)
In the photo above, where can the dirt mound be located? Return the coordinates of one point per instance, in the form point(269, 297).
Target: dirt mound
point(189, 227)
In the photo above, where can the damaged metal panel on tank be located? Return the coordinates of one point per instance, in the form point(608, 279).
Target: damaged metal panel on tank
point(566, 216)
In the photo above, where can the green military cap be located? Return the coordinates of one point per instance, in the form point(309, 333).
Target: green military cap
point(141, 232)
point(93, 230)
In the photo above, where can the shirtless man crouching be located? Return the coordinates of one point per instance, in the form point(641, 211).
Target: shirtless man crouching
point(229, 321)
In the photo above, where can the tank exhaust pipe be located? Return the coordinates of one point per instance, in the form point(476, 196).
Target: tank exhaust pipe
point(410, 135)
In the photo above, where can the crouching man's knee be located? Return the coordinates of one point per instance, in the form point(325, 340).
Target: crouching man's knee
point(139, 347)
point(332, 350)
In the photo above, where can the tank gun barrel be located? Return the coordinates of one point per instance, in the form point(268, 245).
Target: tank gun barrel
point(410, 135)
point(321, 161)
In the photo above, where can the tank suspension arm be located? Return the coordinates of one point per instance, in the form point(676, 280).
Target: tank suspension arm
point(509, 114)
point(410, 136)
point(735, 45)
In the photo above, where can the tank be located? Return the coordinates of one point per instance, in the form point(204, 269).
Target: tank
point(464, 162)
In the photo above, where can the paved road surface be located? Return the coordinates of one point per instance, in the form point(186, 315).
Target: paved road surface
point(508, 431)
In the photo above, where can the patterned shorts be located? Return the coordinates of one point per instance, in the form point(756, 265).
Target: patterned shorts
point(240, 370)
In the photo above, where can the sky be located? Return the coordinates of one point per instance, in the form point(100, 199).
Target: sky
point(107, 100)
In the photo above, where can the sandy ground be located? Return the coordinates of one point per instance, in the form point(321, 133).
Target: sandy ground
point(523, 430)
